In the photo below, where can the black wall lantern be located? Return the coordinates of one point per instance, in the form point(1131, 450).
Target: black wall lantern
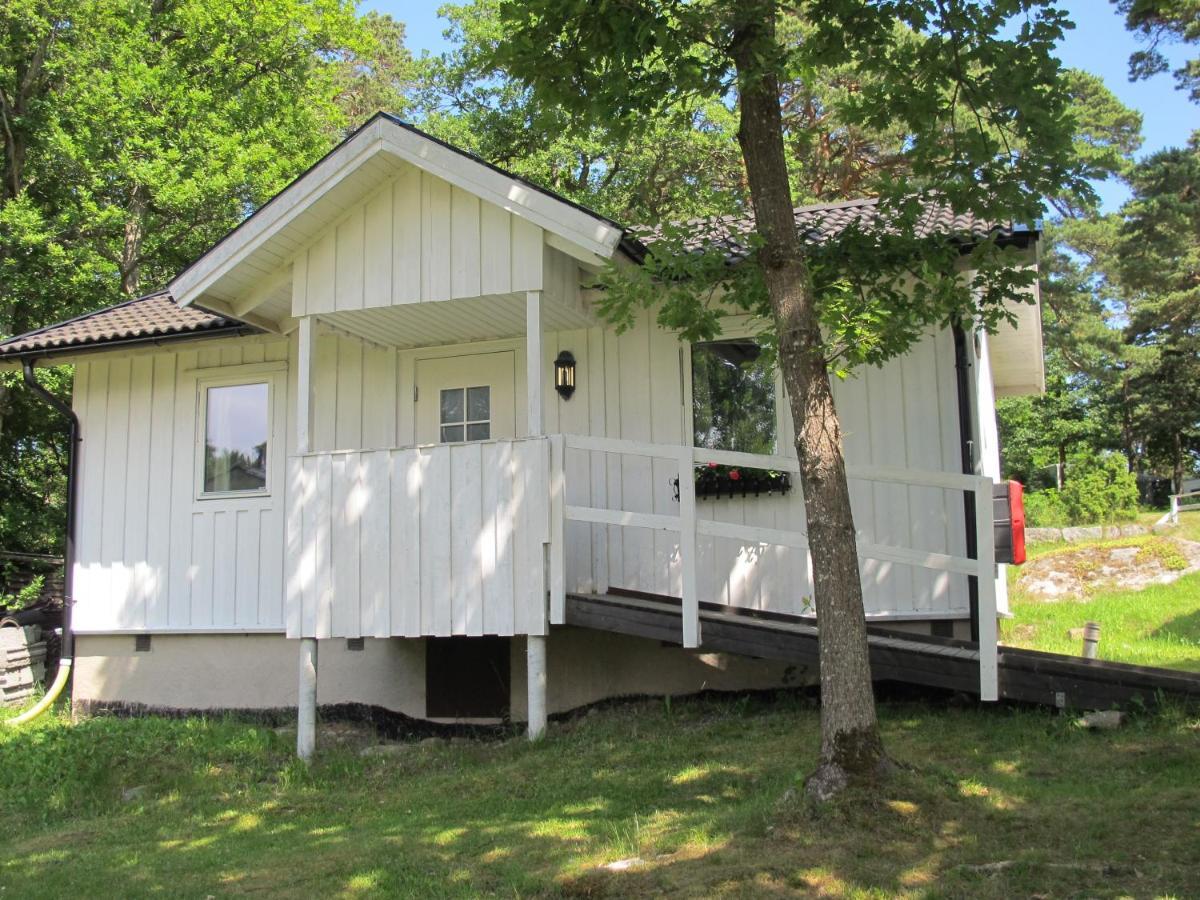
point(564, 374)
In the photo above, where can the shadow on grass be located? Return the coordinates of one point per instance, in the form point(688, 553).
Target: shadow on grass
point(694, 792)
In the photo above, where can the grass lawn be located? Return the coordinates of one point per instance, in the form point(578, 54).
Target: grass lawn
point(1000, 803)
point(1157, 626)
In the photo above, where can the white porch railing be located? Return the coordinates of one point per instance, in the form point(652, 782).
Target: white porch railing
point(441, 540)
point(688, 526)
point(1181, 503)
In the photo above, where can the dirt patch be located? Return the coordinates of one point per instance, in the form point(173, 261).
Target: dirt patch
point(1130, 565)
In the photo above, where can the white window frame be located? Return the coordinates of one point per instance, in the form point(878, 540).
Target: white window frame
point(737, 328)
point(270, 374)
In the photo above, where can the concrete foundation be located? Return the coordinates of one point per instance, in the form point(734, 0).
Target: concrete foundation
point(254, 671)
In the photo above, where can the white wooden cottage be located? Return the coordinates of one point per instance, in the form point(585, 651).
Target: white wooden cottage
point(340, 428)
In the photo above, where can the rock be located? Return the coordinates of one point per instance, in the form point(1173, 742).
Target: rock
point(1103, 720)
point(623, 865)
point(1112, 531)
point(1163, 527)
point(1125, 555)
point(133, 794)
point(432, 742)
point(1083, 533)
point(382, 750)
point(1075, 634)
point(1043, 535)
point(1133, 530)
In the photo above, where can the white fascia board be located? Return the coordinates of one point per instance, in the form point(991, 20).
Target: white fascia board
point(589, 232)
point(276, 214)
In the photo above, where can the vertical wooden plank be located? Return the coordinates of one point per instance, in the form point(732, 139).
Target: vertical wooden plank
point(349, 264)
point(322, 258)
point(612, 461)
point(299, 558)
point(687, 550)
point(465, 240)
point(326, 380)
point(224, 565)
point(637, 487)
point(116, 446)
point(436, 616)
point(955, 595)
point(924, 452)
point(379, 397)
point(407, 241)
point(465, 527)
point(349, 424)
point(183, 485)
point(497, 538)
point(526, 256)
point(304, 384)
point(300, 284)
point(323, 520)
point(853, 400)
point(345, 546)
point(988, 661)
point(158, 515)
point(200, 569)
point(598, 480)
point(436, 249)
point(495, 253)
point(408, 470)
point(248, 553)
point(271, 535)
point(665, 416)
point(90, 400)
point(534, 376)
point(530, 476)
point(376, 543)
point(135, 554)
point(377, 252)
point(558, 550)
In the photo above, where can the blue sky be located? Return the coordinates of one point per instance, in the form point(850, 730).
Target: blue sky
point(1099, 43)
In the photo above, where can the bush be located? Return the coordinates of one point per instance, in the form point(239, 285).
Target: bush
point(1046, 509)
point(1100, 489)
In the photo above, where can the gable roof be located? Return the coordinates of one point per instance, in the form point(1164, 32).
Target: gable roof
point(821, 223)
point(369, 154)
point(154, 317)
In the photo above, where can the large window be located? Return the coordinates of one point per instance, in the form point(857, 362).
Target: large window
point(237, 423)
point(733, 397)
point(466, 414)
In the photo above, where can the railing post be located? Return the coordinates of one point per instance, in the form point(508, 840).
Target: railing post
point(558, 575)
point(989, 675)
point(1174, 509)
point(687, 547)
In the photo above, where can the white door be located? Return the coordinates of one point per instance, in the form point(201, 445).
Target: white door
point(466, 398)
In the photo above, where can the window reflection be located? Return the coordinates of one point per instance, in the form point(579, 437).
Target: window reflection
point(236, 426)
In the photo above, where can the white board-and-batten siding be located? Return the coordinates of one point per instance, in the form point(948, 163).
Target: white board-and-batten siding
point(442, 540)
point(417, 239)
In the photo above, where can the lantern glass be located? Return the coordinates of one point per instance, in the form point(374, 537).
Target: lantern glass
point(564, 374)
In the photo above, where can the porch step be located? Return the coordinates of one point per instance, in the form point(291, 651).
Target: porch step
point(1025, 675)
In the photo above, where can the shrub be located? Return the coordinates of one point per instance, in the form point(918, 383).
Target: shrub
point(1100, 489)
point(1046, 509)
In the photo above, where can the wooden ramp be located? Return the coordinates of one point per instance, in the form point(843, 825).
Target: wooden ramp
point(1025, 675)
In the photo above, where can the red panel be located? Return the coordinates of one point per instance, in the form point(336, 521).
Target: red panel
point(1016, 508)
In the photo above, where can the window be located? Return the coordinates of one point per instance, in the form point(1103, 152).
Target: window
point(466, 414)
point(236, 427)
point(733, 397)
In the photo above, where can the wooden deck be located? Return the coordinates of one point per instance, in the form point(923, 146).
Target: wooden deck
point(1025, 675)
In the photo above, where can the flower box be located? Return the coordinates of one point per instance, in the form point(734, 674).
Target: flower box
point(715, 481)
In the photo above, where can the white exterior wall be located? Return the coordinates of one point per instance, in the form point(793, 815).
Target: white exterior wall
point(152, 557)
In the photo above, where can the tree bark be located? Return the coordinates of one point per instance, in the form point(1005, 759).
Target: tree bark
point(851, 746)
point(131, 247)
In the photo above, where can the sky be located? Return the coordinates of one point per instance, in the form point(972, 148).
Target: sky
point(1099, 43)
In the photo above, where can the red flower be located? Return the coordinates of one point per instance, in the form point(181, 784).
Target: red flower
point(734, 475)
point(712, 465)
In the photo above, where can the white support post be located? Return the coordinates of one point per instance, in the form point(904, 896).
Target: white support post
point(687, 548)
point(535, 661)
point(304, 384)
point(306, 703)
point(534, 381)
point(558, 558)
point(989, 674)
point(306, 712)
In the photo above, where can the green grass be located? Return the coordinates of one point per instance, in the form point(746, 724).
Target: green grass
point(694, 790)
point(1156, 626)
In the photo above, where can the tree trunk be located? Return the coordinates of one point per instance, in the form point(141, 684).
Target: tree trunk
point(1177, 473)
point(1062, 464)
point(131, 248)
point(851, 747)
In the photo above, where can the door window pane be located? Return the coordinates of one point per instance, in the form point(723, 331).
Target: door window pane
point(236, 425)
point(733, 397)
point(466, 413)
